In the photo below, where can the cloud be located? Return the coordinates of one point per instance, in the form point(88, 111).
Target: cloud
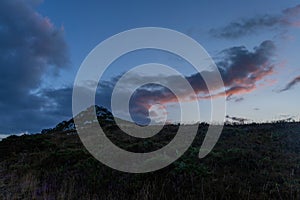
point(237, 119)
point(240, 69)
point(286, 117)
point(30, 47)
point(291, 84)
point(243, 27)
point(294, 11)
point(236, 99)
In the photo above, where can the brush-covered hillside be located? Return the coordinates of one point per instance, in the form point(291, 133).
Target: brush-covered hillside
point(254, 161)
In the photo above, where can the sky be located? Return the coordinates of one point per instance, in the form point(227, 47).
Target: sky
point(255, 45)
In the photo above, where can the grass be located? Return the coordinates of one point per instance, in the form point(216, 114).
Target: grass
point(255, 161)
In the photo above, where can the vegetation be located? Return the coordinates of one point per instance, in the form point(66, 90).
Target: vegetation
point(254, 161)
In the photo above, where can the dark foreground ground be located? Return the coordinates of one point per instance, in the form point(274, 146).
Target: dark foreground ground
point(249, 162)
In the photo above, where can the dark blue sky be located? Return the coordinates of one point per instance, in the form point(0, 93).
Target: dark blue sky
point(43, 44)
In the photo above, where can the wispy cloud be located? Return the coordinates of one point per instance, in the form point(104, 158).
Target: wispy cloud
point(287, 18)
point(235, 99)
point(291, 84)
point(293, 11)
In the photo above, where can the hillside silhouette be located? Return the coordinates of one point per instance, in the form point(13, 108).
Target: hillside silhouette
point(250, 161)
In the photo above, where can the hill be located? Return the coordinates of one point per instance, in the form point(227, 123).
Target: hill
point(254, 161)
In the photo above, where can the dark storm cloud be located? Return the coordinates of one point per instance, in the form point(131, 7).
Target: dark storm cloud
point(30, 46)
point(251, 25)
point(291, 84)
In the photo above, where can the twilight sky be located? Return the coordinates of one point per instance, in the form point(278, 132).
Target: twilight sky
point(255, 45)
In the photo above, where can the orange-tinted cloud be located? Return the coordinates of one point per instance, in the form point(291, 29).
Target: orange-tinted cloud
point(242, 72)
